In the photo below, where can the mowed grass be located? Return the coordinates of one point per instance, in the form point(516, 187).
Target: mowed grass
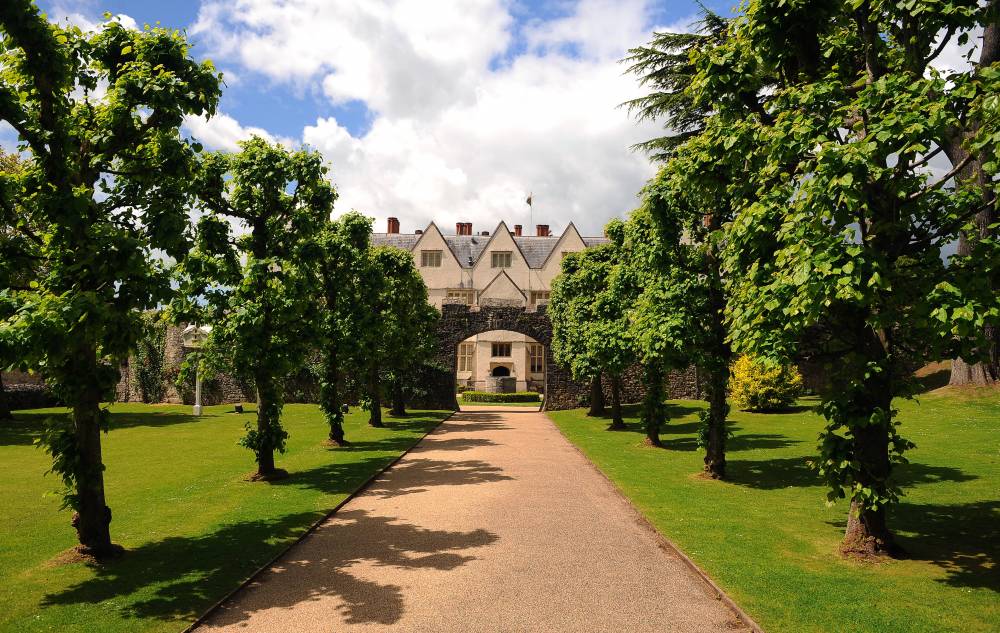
point(192, 526)
point(768, 539)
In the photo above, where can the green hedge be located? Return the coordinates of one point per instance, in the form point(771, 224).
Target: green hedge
point(485, 396)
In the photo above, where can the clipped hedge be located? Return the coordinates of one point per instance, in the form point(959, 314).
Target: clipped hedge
point(486, 396)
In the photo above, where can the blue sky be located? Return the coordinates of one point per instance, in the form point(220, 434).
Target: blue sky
point(431, 110)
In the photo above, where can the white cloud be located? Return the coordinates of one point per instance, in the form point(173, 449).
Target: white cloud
point(223, 132)
point(955, 57)
point(455, 135)
point(63, 12)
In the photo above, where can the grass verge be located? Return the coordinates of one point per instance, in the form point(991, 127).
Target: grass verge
point(192, 526)
point(768, 539)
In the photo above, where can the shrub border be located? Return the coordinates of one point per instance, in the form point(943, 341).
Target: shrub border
point(489, 396)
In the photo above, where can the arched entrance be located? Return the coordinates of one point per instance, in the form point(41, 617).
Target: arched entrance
point(500, 371)
point(461, 322)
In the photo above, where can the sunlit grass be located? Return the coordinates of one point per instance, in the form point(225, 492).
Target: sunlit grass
point(193, 526)
point(769, 539)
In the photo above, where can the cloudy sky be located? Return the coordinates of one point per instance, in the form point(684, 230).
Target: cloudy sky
point(444, 110)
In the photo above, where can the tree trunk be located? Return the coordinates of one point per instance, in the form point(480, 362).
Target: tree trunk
point(375, 398)
point(653, 413)
point(985, 372)
point(92, 519)
point(617, 423)
point(715, 449)
point(268, 424)
point(596, 397)
point(398, 399)
point(333, 408)
point(867, 532)
point(720, 355)
point(978, 374)
point(5, 412)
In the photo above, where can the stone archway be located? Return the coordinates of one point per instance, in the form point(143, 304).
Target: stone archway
point(459, 322)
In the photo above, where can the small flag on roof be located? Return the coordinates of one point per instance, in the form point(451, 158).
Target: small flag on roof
point(529, 200)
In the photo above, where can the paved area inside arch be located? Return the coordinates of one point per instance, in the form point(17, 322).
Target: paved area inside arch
point(494, 522)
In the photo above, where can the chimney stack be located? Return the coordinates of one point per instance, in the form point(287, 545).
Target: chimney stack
point(517, 230)
point(542, 230)
point(393, 225)
point(463, 228)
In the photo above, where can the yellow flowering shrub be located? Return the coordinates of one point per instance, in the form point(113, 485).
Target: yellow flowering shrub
point(757, 386)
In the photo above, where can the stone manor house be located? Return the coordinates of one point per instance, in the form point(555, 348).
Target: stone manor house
point(502, 267)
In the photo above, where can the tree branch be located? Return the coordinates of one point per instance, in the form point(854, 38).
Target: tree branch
point(951, 174)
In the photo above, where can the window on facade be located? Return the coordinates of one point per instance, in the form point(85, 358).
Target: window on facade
point(466, 356)
point(536, 358)
point(502, 259)
point(430, 259)
point(501, 349)
point(540, 296)
point(463, 296)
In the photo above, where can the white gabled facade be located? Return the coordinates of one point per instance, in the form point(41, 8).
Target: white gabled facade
point(503, 267)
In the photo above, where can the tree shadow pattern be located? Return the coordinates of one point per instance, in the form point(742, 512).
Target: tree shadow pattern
point(186, 574)
point(28, 425)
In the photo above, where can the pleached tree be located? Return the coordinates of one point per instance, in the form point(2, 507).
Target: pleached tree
point(838, 224)
point(397, 332)
point(104, 185)
point(590, 326)
point(345, 254)
point(257, 289)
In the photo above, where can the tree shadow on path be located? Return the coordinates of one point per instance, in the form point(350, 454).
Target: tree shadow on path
point(321, 567)
point(182, 576)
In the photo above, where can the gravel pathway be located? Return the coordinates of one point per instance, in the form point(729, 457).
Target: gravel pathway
point(494, 522)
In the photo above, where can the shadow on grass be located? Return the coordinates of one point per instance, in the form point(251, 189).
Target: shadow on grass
point(962, 539)
point(28, 425)
point(179, 577)
point(739, 442)
point(934, 380)
point(793, 472)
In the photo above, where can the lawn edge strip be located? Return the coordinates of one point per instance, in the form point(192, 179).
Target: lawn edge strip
point(662, 541)
point(312, 528)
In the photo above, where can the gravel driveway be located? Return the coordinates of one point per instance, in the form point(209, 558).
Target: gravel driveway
point(494, 522)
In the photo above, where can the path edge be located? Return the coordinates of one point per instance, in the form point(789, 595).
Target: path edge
point(312, 528)
point(662, 541)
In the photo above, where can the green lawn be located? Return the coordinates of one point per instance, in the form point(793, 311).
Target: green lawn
point(767, 537)
point(193, 527)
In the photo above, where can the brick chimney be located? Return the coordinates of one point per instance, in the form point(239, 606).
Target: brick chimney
point(393, 225)
point(517, 230)
point(542, 230)
point(463, 228)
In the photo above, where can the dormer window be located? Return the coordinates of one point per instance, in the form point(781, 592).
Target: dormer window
point(502, 259)
point(430, 259)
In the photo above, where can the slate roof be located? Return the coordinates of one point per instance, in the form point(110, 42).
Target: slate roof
point(468, 248)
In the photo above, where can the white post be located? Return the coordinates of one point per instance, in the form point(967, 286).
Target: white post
point(197, 391)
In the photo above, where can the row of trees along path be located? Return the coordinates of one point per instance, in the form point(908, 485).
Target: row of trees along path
point(95, 230)
point(796, 214)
